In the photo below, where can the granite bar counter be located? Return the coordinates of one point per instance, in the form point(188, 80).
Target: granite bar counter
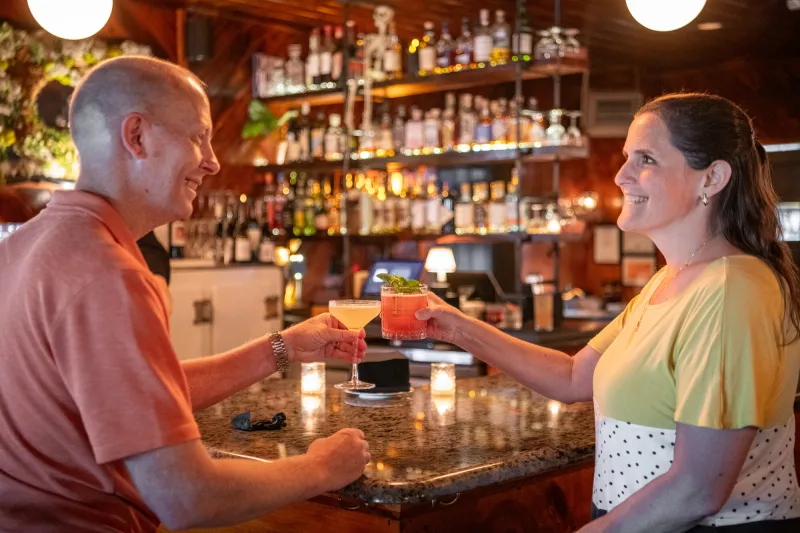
point(436, 461)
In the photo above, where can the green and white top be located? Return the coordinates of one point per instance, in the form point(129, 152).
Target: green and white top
point(711, 356)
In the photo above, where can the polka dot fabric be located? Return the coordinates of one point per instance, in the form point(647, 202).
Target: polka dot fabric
point(628, 456)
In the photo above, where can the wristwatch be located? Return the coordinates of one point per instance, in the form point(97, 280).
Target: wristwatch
point(279, 351)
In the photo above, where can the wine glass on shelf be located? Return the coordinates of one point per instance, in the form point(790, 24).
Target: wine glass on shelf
point(574, 135)
point(355, 315)
point(543, 47)
point(572, 48)
point(555, 131)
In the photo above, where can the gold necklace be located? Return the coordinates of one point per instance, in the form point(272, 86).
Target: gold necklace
point(664, 285)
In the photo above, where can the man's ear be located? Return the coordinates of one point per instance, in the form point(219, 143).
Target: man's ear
point(133, 127)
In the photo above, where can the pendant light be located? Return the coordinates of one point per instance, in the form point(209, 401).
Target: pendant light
point(76, 19)
point(665, 15)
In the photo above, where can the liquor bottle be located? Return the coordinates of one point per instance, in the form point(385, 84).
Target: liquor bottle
point(499, 133)
point(299, 207)
point(365, 211)
point(334, 139)
point(412, 58)
point(318, 137)
point(444, 51)
point(431, 130)
point(321, 221)
point(266, 248)
point(269, 204)
point(391, 208)
point(514, 115)
point(393, 56)
point(427, 50)
point(447, 216)
point(253, 227)
point(295, 68)
point(303, 129)
point(399, 130)
point(483, 43)
point(463, 52)
point(466, 121)
point(286, 201)
point(501, 38)
point(230, 232)
point(309, 209)
point(242, 249)
point(433, 208)
point(177, 239)
point(326, 56)
point(312, 61)
point(480, 197)
point(483, 131)
point(512, 203)
point(415, 131)
point(418, 205)
point(385, 135)
point(334, 205)
point(465, 212)
point(337, 58)
point(355, 57)
point(522, 43)
point(378, 201)
point(448, 133)
point(292, 141)
point(497, 207)
point(352, 222)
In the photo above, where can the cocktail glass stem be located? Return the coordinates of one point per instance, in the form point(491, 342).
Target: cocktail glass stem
point(354, 378)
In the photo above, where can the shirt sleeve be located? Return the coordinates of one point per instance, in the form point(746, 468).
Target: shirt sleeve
point(113, 349)
point(728, 355)
point(603, 340)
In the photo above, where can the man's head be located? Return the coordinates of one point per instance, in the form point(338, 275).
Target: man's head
point(142, 127)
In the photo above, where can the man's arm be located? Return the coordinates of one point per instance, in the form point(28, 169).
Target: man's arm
point(185, 488)
point(699, 482)
point(212, 379)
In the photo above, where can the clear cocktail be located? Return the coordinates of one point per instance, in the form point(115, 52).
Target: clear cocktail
point(398, 308)
point(355, 315)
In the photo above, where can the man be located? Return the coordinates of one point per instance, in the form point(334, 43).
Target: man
point(96, 425)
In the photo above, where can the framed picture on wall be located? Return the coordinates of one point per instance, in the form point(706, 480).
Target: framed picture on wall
point(637, 244)
point(637, 271)
point(606, 244)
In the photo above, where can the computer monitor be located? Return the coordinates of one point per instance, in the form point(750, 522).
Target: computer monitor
point(409, 269)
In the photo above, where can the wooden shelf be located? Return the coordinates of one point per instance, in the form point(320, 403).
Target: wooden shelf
point(434, 83)
point(473, 157)
point(474, 238)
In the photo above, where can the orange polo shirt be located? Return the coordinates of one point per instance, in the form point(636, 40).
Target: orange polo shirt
point(88, 375)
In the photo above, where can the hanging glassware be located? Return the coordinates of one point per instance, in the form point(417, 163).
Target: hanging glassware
point(555, 131)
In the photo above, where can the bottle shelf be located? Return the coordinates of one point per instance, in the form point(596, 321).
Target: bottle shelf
point(477, 238)
point(466, 78)
point(474, 156)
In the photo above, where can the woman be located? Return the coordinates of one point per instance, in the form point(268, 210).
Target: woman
point(694, 383)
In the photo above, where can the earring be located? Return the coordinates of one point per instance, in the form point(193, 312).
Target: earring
point(704, 199)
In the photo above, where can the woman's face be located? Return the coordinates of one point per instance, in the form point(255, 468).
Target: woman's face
point(659, 186)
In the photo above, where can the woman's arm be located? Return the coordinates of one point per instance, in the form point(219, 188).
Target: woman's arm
point(549, 372)
point(706, 465)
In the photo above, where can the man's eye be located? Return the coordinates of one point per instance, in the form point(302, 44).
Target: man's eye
point(647, 160)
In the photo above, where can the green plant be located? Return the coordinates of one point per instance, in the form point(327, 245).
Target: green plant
point(400, 284)
point(263, 121)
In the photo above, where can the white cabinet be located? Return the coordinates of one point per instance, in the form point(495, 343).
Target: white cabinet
point(217, 309)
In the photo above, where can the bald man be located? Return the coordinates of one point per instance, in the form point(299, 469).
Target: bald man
point(96, 425)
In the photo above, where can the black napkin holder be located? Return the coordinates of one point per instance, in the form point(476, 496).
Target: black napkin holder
point(389, 375)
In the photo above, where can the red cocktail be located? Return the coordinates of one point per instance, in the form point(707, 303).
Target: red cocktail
point(398, 307)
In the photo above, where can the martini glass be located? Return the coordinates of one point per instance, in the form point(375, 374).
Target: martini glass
point(355, 314)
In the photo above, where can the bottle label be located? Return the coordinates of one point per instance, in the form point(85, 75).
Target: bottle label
point(266, 252)
point(463, 58)
point(325, 63)
point(483, 133)
point(316, 143)
point(242, 250)
point(512, 215)
point(336, 66)
point(427, 59)
point(483, 48)
point(418, 214)
point(254, 236)
point(465, 216)
point(391, 61)
point(385, 141)
point(525, 44)
point(227, 251)
point(466, 129)
point(443, 61)
point(497, 216)
point(332, 146)
point(431, 134)
point(177, 234)
point(499, 130)
point(434, 206)
point(312, 66)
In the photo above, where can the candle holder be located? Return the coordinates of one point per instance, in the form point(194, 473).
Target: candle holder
point(443, 378)
point(312, 378)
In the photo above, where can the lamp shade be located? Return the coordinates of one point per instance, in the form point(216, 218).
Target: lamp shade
point(665, 15)
point(440, 260)
point(76, 19)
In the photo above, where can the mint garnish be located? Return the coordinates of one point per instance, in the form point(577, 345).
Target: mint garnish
point(400, 284)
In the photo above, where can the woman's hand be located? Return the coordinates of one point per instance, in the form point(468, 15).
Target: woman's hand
point(444, 321)
point(324, 337)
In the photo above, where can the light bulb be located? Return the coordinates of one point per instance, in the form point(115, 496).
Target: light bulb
point(665, 15)
point(77, 19)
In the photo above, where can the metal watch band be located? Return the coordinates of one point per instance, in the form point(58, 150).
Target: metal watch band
point(279, 351)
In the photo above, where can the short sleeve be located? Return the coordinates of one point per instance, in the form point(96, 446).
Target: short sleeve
point(603, 340)
point(728, 355)
point(113, 349)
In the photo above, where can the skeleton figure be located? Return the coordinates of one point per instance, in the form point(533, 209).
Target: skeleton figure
point(375, 45)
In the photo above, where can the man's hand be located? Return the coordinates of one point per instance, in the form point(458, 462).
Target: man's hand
point(444, 320)
point(324, 337)
point(342, 456)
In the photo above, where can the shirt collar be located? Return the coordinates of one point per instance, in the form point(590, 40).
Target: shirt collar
point(94, 205)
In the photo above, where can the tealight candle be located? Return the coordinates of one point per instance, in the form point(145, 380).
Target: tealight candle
point(312, 377)
point(443, 378)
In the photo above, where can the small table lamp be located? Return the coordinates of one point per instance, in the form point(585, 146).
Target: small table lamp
point(441, 261)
